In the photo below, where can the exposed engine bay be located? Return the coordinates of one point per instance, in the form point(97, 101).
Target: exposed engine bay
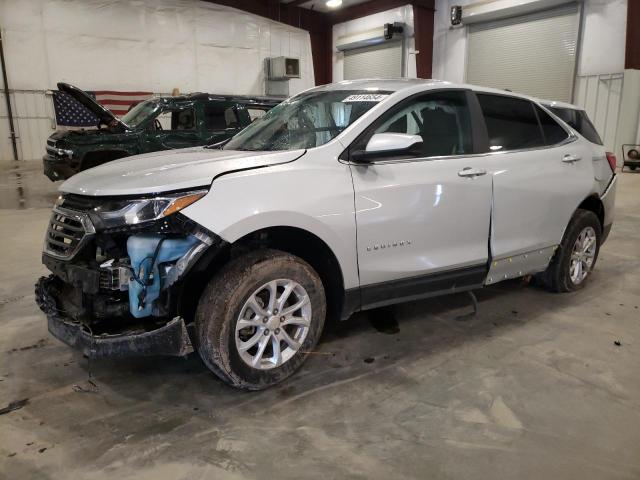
point(118, 270)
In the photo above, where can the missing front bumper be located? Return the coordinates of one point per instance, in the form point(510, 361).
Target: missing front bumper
point(171, 339)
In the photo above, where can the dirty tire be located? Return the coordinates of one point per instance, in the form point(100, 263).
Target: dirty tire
point(221, 304)
point(557, 276)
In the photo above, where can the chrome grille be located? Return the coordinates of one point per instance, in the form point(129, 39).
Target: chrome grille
point(67, 232)
point(51, 147)
point(53, 150)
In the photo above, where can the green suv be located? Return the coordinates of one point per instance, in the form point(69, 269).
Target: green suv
point(161, 123)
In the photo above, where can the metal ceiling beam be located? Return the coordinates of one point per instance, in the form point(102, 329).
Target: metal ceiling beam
point(632, 52)
point(423, 18)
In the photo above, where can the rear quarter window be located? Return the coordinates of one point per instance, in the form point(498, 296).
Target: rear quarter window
point(579, 121)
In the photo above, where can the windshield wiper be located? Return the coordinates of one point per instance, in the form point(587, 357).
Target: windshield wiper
point(218, 145)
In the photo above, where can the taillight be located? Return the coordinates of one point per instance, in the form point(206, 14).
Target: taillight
point(611, 158)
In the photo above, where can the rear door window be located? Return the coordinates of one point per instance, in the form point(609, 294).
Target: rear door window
point(220, 116)
point(579, 121)
point(553, 132)
point(511, 123)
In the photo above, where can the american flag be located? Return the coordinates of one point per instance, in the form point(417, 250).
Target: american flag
point(120, 102)
point(71, 114)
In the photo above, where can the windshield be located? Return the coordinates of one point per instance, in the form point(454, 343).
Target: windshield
point(307, 120)
point(140, 113)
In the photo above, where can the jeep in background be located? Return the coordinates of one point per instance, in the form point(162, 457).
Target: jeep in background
point(161, 123)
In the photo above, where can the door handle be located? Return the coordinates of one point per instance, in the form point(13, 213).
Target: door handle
point(471, 172)
point(571, 158)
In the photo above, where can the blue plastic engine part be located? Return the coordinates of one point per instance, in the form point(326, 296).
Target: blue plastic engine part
point(141, 249)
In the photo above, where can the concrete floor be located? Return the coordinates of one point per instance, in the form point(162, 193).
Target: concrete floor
point(532, 387)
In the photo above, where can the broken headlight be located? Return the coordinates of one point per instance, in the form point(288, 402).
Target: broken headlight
point(117, 213)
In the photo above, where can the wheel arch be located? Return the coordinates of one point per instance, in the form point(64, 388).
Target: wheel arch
point(312, 249)
point(594, 204)
point(294, 240)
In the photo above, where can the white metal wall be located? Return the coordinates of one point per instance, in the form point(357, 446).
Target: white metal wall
point(600, 96)
point(33, 120)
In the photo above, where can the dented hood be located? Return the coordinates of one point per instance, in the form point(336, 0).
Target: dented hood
point(169, 170)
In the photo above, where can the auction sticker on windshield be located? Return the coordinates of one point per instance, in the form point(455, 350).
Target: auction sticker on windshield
point(365, 97)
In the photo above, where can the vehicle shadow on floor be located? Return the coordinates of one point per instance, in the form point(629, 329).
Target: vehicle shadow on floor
point(369, 343)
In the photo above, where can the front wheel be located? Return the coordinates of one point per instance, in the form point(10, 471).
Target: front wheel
point(258, 318)
point(577, 254)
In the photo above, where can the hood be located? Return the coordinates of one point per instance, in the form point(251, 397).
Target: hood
point(94, 107)
point(169, 170)
point(85, 137)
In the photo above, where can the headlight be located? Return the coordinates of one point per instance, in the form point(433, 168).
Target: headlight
point(64, 152)
point(133, 212)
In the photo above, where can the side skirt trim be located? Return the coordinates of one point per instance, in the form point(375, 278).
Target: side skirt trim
point(414, 288)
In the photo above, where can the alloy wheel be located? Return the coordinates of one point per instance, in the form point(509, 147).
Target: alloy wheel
point(273, 324)
point(583, 255)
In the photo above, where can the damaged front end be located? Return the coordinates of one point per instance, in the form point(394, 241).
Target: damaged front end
point(119, 269)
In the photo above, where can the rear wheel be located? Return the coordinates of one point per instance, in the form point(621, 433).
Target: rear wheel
point(259, 317)
point(577, 254)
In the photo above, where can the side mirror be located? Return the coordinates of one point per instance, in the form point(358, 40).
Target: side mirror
point(388, 145)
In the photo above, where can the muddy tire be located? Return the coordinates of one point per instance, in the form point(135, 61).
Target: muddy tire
point(258, 318)
point(575, 258)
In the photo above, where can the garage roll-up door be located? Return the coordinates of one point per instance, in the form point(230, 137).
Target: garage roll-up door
point(533, 54)
point(376, 61)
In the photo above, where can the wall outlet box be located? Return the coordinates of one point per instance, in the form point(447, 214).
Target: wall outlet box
point(284, 68)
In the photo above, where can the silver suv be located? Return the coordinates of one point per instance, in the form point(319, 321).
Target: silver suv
point(345, 197)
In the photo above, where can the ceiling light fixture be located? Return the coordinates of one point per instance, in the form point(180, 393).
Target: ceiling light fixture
point(333, 3)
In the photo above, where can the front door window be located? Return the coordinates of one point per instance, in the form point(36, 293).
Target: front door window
point(174, 127)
